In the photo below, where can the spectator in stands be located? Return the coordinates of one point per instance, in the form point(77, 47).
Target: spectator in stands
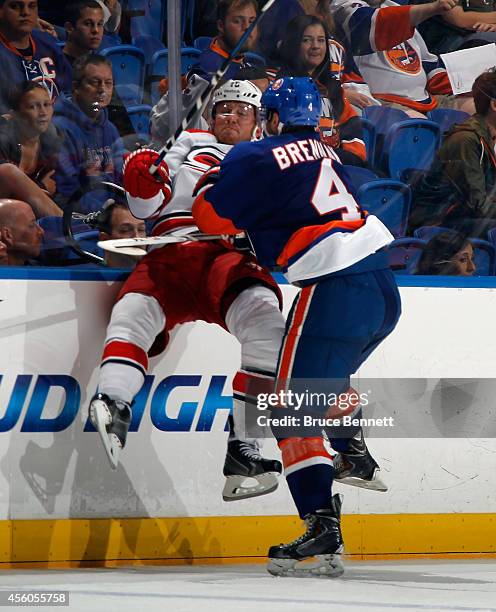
point(305, 50)
point(458, 190)
point(392, 56)
point(447, 253)
point(84, 26)
point(16, 185)
point(233, 19)
point(19, 232)
point(27, 54)
point(30, 140)
point(92, 149)
point(116, 221)
point(470, 24)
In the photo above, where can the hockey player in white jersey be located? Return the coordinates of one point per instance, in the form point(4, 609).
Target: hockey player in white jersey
point(183, 282)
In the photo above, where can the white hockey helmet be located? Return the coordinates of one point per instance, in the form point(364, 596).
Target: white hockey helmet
point(238, 91)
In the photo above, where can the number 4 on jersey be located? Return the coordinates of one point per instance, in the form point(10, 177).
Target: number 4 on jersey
point(331, 195)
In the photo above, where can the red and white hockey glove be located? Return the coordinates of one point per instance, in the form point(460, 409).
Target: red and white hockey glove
point(138, 181)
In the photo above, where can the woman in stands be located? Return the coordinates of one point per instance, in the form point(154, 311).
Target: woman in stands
point(447, 253)
point(308, 49)
point(29, 139)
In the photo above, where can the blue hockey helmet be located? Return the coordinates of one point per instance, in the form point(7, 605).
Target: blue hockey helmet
point(296, 100)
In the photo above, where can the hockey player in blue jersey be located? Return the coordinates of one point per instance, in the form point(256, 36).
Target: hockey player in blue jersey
point(292, 196)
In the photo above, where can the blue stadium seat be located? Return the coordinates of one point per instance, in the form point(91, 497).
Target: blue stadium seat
point(128, 65)
point(484, 257)
point(388, 200)
point(109, 40)
point(382, 118)
point(159, 67)
point(369, 137)
point(404, 255)
point(202, 42)
point(140, 118)
point(410, 145)
point(151, 21)
point(429, 231)
point(491, 236)
point(359, 176)
point(149, 45)
point(446, 117)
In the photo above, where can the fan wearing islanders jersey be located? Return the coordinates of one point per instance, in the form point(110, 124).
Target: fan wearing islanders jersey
point(27, 54)
point(190, 281)
point(293, 198)
point(392, 56)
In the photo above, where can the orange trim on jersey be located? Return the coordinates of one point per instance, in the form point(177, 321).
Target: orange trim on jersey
point(214, 46)
point(306, 235)
point(292, 335)
point(439, 84)
point(357, 147)
point(16, 51)
point(422, 107)
point(209, 221)
point(351, 77)
point(392, 27)
point(296, 450)
point(348, 111)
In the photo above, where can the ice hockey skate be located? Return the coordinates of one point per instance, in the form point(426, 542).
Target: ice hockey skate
point(315, 553)
point(357, 467)
point(111, 418)
point(244, 462)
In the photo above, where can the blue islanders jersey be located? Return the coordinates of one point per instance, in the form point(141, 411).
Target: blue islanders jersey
point(46, 63)
point(293, 197)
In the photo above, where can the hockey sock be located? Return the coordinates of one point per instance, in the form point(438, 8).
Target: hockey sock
point(123, 370)
point(309, 473)
point(247, 384)
point(341, 445)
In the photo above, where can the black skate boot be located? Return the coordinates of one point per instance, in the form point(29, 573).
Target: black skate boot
point(111, 418)
point(357, 467)
point(322, 540)
point(243, 460)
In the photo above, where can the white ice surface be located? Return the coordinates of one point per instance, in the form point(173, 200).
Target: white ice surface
point(388, 586)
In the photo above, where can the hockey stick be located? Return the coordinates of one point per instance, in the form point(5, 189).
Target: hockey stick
point(203, 98)
point(132, 246)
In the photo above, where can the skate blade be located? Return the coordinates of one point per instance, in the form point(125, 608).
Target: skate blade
point(323, 566)
point(235, 489)
point(374, 484)
point(100, 418)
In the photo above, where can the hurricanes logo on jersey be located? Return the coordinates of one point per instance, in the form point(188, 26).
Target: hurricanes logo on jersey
point(404, 58)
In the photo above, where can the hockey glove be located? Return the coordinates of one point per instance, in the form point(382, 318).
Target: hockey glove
point(138, 181)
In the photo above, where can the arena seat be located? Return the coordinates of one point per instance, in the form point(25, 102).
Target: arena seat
point(140, 118)
point(128, 66)
point(409, 145)
point(404, 254)
point(446, 117)
point(389, 201)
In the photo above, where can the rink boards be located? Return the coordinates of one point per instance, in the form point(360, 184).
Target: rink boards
point(60, 501)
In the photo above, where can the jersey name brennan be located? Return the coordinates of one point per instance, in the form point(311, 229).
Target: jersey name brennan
point(306, 150)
